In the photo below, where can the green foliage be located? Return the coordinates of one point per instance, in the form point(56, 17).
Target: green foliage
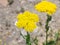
point(35, 41)
point(50, 43)
point(47, 22)
point(47, 26)
point(28, 42)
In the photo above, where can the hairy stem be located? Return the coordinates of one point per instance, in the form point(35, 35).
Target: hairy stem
point(28, 42)
point(47, 27)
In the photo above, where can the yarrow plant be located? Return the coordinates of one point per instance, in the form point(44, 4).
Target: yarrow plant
point(49, 8)
point(27, 21)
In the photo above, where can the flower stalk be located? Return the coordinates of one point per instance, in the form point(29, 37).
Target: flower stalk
point(47, 27)
point(28, 42)
point(28, 39)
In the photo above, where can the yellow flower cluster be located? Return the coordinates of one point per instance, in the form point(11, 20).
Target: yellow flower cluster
point(27, 20)
point(46, 7)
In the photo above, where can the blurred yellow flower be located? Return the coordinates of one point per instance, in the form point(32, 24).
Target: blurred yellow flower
point(46, 7)
point(27, 20)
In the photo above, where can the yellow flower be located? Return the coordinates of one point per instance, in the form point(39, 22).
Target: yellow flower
point(46, 7)
point(27, 20)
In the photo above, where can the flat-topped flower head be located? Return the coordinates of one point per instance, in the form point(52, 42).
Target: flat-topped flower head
point(27, 20)
point(47, 7)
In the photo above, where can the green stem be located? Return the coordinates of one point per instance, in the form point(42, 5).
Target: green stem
point(27, 38)
point(47, 27)
point(28, 42)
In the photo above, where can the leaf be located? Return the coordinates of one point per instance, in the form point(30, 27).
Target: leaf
point(35, 41)
point(51, 43)
point(22, 35)
point(49, 18)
